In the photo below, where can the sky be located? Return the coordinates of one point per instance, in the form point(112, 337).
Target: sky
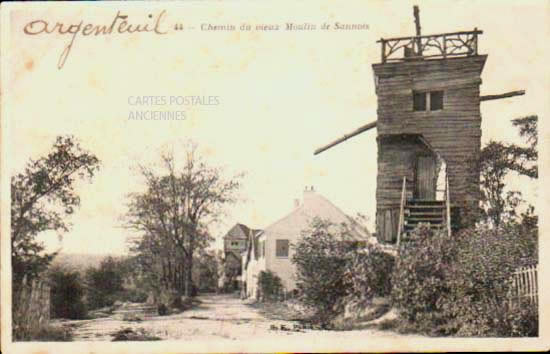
point(281, 95)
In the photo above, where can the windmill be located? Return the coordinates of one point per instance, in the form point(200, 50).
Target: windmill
point(428, 130)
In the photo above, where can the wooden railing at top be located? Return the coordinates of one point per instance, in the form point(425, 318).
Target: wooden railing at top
point(433, 46)
point(447, 206)
point(401, 211)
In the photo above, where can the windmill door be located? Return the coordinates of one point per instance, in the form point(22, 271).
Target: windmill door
point(425, 177)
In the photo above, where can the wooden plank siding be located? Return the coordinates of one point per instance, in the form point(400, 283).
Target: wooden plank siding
point(453, 132)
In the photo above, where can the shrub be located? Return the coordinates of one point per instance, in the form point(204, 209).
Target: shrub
point(460, 285)
point(321, 257)
point(522, 321)
point(478, 303)
point(368, 273)
point(67, 295)
point(419, 275)
point(270, 285)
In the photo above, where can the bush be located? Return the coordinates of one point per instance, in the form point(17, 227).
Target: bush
point(321, 257)
point(368, 273)
point(67, 295)
point(522, 321)
point(478, 303)
point(270, 286)
point(460, 285)
point(419, 277)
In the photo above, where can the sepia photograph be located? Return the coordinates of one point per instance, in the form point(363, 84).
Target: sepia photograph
point(290, 176)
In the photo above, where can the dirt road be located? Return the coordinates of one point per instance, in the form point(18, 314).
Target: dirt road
point(218, 318)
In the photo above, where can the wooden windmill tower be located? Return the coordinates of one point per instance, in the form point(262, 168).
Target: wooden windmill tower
point(428, 130)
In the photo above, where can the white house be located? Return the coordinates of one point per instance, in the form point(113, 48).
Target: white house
point(270, 248)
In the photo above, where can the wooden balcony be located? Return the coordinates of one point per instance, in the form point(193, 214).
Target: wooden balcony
point(434, 46)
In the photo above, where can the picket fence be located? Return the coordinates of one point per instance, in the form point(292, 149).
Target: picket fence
point(525, 284)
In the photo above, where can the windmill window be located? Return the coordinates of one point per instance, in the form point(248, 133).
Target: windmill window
point(436, 100)
point(281, 248)
point(419, 101)
point(427, 101)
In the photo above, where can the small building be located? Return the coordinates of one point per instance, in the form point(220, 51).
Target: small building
point(271, 248)
point(234, 245)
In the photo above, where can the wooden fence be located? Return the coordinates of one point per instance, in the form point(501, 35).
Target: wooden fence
point(31, 308)
point(525, 284)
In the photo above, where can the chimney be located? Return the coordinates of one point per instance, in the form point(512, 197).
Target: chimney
point(308, 193)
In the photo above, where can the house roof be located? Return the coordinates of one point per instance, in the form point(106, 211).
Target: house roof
point(238, 231)
point(315, 205)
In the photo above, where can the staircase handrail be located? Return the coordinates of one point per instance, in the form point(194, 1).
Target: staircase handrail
point(448, 206)
point(401, 210)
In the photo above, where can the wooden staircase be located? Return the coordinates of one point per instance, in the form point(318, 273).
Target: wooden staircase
point(412, 212)
point(429, 212)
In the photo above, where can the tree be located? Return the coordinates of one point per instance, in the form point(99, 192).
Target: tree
point(42, 197)
point(174, 212)
point(205, 275)
point(497, 160)
point(105, 283)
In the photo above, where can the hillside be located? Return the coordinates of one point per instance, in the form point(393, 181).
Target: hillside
point(80, 261)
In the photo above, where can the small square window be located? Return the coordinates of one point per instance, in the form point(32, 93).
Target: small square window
point(436, 100)
point(281, 248)
point(419, 101)
point(428, 101)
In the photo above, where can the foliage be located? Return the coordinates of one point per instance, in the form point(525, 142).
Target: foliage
point(41, 198)
point(460, 285)
point(478, 278)
point(526, 162)
point(321, 257)
point(231, 270)
point(270, 285)
point(104, 284)
point(368, 273)
point(66, 294)
point(419, 275)
point(172, 216)
point(133, 295)
point(496, 161)
point(206, 274)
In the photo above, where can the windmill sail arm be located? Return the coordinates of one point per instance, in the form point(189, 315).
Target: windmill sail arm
point(503, 95)
point(357, 131)
point(371, 125)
